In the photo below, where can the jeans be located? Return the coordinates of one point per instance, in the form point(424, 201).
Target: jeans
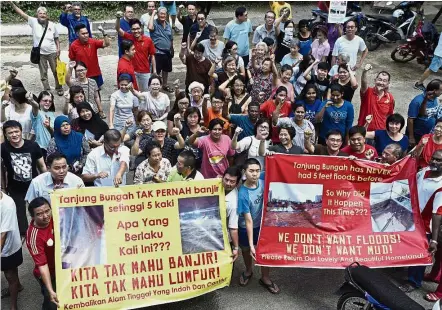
point(50, 59)
point(47, 304)
point(142, 80)
point(416, 273)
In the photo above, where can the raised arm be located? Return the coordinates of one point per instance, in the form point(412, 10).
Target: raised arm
point(364, 82)
point(307, 142)
point(204, 108)
point(19, 11)
point(150, 26)
point(33, 103)
point(183, 52)
point(117, 24)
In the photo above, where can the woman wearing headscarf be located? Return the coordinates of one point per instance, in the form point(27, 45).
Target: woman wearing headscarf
point(70, 143)
point(89, 124)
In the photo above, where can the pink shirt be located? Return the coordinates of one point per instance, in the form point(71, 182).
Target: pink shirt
point(320, 50)
point(214, 161)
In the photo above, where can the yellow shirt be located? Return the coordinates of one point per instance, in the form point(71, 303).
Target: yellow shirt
point(276, 8)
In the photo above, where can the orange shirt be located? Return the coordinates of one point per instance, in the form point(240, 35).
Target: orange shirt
point(212, 115)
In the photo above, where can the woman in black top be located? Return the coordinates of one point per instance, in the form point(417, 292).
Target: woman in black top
point(177, 113)
point(235, 89)
point(347, 79)
point(283, 39)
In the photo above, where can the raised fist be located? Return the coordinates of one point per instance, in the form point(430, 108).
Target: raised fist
point(119, 14)
point(175, 131)
point(238, 130)
point(129, 122)
point(139, 132)
point(425, 140)
point(198, 34)
point(367, 67)
point(184, 45)
point(72, 64)
point(369, 118)
point(47, 122)
point(13, 73)
point(177, 117)
point(207, 97)
point(29, 96)
point(308, 133)
point(181, 6)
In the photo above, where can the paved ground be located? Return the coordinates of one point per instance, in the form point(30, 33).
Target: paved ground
point(301, 288)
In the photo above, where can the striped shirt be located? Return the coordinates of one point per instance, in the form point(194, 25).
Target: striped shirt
point(41, 246)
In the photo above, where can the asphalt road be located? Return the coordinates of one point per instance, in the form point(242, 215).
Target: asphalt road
point(300, 288)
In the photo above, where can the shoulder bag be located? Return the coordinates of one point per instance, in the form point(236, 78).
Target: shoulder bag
point(35, 52)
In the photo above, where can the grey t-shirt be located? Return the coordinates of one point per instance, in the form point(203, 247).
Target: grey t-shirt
point(212, 53)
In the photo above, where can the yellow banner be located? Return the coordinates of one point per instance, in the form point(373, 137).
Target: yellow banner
point(140, 245)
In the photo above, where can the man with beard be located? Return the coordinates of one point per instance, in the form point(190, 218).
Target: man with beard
point(49, 47)
point(144, 52)
point(185, 168)
point(125, 25)
point(358, 148)
point(20, 160)
point(40, 242)
point(333, 143)
point(231, 179)
point(57, 177)
point(375, 101)
point(429, 187)
point(70, 21)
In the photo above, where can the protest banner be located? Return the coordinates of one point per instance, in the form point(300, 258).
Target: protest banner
point(140, 245)
point(326, 212)
point(337, 12)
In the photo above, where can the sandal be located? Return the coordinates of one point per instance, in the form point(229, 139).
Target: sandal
point(5, 292)
point(244, 279)
point(431, 297)
point(407, 288)
point(168, 89)
point(271, 287)
point(102, 115)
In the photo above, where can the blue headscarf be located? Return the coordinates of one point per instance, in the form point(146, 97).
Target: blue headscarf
point(69, 145)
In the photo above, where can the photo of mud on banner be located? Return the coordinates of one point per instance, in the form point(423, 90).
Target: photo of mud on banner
point(327, 212)
point(135, 246)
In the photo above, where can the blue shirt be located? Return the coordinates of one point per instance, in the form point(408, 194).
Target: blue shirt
point(244, 122)
point(70, 21)
point(161, 37)
point(423, 124)
point(310, 109)
point(305, 47)
point(239, 33)
point(42, 135)
point(382, 139)
point(124, 25)
point(250, 200)
point(337, 118)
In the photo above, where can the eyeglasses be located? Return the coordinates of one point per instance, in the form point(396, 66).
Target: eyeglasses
point(335, 140)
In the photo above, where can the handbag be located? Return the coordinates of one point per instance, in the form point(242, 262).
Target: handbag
point(35, 52)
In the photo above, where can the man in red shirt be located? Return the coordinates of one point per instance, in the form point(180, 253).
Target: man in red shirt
point(358, 148)
point(375, 101)
point(40, 243)
point(84, 49)
point(144, 50)
point(125, 63)
point(279, 105)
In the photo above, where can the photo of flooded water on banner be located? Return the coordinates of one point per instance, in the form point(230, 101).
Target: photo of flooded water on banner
point(200, 224)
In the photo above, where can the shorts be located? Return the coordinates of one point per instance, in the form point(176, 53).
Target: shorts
point(12, 261)
point(244, 239)
point(171, 8)
point(436, 64)
point(163, 63)
point(142, 81)
point(98, 79)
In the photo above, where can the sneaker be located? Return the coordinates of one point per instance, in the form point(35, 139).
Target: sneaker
point(419, 86)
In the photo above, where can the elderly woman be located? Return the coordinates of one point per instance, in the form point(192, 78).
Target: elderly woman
point(153, 101)
point(196, 91)
point(155, 169)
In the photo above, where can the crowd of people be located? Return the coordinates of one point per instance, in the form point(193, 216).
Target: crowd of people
point(288, 92)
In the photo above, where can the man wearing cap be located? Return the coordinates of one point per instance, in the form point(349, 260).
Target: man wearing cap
point(169, 146)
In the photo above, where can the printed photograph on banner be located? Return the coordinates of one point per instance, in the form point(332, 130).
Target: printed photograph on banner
point(200, 224)
point(83, 241)
point(294, 205)
point(390, 207)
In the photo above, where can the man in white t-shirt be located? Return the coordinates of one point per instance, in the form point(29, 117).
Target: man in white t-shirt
point(350, 44)
point(50, 46)
point(144, 19)
point(12, 256)
point(231, 178)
